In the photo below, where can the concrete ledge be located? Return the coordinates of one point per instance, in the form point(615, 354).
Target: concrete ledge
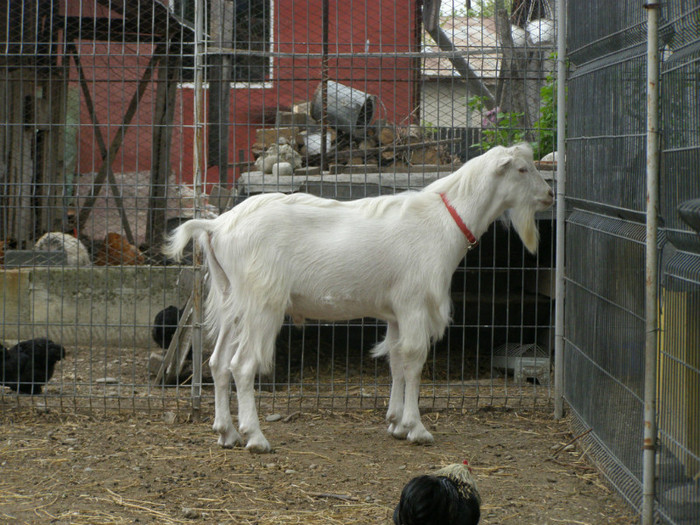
point(349, 185)
point(100, 306)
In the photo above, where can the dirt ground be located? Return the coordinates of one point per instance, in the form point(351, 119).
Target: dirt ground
point(326, 468)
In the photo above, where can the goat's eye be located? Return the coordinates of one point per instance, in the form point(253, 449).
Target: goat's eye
point(523, 170)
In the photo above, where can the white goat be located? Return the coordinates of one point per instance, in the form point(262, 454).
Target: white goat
point(388, 257)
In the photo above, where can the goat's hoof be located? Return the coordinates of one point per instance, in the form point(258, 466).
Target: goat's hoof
point(229, 441)
point(398, 431)
point(258, 445)
point(228, 437)
point(394, 424)
point(420, 436)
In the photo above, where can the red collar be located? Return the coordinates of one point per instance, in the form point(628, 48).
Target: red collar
point(466, 231)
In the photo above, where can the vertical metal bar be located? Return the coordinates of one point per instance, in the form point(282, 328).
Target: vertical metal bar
point(324, 84)
point(652, 256)
point(416, 62)
point(197, 182)
point(561, 214)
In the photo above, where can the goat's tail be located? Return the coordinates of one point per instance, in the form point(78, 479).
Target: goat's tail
point(176, 242)
point(200, 231)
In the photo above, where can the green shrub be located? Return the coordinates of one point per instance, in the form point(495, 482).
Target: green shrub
point(505, 127)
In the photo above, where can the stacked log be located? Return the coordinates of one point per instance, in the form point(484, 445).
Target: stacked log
point(383, 146)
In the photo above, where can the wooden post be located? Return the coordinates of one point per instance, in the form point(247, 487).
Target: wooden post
point(166, 90)
point(221, 29)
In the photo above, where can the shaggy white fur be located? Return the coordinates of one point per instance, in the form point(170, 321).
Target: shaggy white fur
point(388, 257)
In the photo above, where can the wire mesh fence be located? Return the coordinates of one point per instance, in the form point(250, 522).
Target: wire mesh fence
point(679, 352)
point(605, 249)
point(605, 339)
point(100, 157)
point(123, 119)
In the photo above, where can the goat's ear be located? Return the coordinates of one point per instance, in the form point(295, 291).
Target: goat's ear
point(503, 163)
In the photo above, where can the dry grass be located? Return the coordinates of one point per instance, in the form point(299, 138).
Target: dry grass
point(326, 468)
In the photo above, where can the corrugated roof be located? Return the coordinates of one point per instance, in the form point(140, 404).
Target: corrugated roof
point(475, 37)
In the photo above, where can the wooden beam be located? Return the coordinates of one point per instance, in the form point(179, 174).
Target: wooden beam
point(175, 356)
point(357, 152)
point(108, 156)
point(106, 168)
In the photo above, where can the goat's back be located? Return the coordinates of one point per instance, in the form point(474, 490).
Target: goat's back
point(331, 260)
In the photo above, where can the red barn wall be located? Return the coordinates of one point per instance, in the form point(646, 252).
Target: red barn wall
point(114, 70)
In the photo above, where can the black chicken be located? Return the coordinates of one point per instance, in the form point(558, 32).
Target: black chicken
point(28, 365)
point(449, 497)
point(165, 324)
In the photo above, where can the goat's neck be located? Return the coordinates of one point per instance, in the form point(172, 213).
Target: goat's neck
point(477, 211)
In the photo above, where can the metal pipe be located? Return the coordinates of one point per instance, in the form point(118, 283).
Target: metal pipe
point(560, 269)
point(652, 258)
point(480, 52)
point(324, 84)
point(198, 155)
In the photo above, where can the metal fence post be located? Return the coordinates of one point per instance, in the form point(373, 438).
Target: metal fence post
point(200, 13)
point(561, 214)
point(651, 295)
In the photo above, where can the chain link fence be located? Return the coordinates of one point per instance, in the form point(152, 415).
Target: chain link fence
point(121, 120)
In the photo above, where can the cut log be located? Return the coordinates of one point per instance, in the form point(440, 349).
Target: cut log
point(425, 155)
point(367, 144)
point(267, 137)
point(387, 135)
point(290, 118)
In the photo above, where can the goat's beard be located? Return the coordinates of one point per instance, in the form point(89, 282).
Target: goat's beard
point(523, 220)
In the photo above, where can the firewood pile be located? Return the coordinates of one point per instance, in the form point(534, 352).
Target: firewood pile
point(294, 146)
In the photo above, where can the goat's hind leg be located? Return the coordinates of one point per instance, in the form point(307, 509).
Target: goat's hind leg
point(219, 365)
point(253, 354)
point(394, 412)
point(411, 422)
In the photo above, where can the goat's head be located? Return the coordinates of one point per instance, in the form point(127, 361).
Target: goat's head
point(521, 189)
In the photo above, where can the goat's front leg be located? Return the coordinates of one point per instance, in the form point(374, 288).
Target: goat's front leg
point(410, 353)
point(244, 367)
point(411, 426)
point(219, 365)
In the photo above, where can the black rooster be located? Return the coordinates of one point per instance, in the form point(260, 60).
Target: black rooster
point(28, 365)
point(449, 497)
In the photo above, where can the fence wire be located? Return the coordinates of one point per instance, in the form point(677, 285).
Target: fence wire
point(97, 155)
point(605, 249)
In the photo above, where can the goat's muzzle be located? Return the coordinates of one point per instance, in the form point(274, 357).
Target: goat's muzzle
point(549, 200)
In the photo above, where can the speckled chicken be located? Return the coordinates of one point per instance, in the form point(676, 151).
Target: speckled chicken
point(448, 497)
